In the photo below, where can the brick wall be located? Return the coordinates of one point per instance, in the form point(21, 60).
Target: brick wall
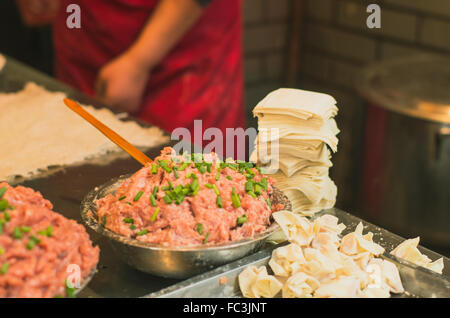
point(336, 45)
point(266, 25)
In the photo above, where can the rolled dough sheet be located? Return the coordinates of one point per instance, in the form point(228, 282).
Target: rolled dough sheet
point(37, 131)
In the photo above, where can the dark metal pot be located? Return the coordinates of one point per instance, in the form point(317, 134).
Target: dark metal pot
point(406, 170)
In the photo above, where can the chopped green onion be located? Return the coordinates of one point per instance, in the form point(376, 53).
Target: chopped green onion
point(175, 173)
point(104, 220)
point(132, 227)
point(155, 214)
point(219, 202)
point(263, 183)
point(4, 268)
point(269, 203)
point(128, 220)
point(35, 239)
point(208, 166)
point(164, 164)
point(217, 176)
point(252, 194)
point(191, 175)
point(3, 205)
point(183, 166)
point(122, 197)
point(70, 291)
point(165, 188)
point(47, 232)
point(195, 185)
point(235, 199)
point(138, 196)
point(206, 238)
point(7, 216)
point(152, 200)
point(199, 228)
point(129, 203)
point(17, 233)
point(209, 185)
point(249, 171)
point(155, 191)
point(30, 244)
point(215, 189)
point(2, 250)
point(154, 168)
point(25, 229)
point(200, 167)
point(241, 220)
point(229, 178)
point(2, 191)
point(167, 199)
point(249, 186)
point(257, 189)
point(143, 232)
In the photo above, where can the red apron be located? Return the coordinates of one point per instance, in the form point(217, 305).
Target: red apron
point(201, 78)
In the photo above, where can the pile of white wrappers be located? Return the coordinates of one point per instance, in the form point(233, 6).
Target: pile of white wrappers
point(296, 130)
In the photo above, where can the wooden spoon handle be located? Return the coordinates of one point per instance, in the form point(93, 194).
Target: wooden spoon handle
point(113, 136)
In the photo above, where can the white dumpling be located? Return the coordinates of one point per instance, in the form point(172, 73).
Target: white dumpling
point(300, 285)
point(408, 250)
point(286, 260)
point(342, 287)
point(296, 228)
point(248, 278)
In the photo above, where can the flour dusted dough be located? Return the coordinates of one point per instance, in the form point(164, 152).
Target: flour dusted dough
point(37, 131)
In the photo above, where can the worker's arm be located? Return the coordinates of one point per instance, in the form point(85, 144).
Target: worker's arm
point(122, 81)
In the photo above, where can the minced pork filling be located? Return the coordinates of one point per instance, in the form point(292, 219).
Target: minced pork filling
point(37, 246)
point(187, 200)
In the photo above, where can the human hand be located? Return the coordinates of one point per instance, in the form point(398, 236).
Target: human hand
point(121, 83)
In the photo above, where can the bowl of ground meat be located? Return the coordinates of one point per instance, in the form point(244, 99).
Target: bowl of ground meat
point(42, 253)
point(185, 214)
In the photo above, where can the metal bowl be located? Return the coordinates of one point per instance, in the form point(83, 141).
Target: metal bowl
point(172, 262)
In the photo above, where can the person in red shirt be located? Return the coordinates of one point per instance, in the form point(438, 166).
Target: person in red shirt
point(168, 62)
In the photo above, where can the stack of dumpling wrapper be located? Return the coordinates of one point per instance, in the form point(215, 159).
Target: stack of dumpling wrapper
point(303, 125)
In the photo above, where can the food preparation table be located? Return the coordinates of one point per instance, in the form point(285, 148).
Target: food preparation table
point(66, 186)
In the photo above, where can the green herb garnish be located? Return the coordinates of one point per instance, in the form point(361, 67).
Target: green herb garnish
point(206, 238)
point(25, 229)
point(199, 228)
point(219, 202)
point(241, 220)
point(167, 199)
point(17, 233)
point(269, 203)
point(3, 205)
point(152, 200)
point(138, 196)
point(128, 220)
point(143, 232)
point(235, 199)
point(4, 268)
point(155, 214)
point(122, 197)
point(2, 191)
